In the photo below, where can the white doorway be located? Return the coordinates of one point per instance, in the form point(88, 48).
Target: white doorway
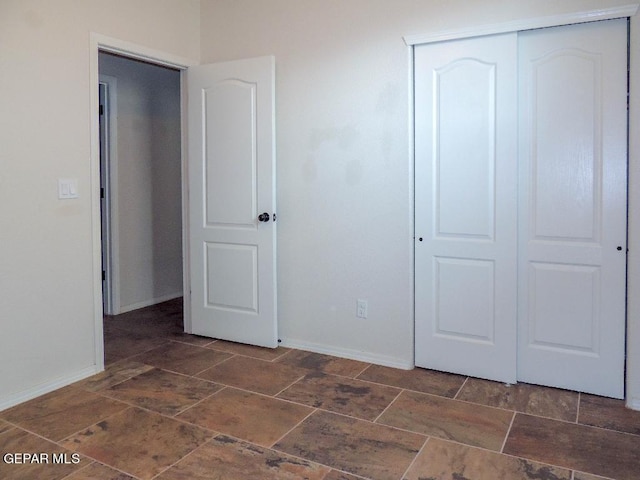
point(107, 91)
point(141, 188)
point(559, 293)
point(264, 178)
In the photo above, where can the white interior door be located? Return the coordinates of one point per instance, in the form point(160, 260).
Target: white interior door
point(232, 200)
point(573, 200)
point(466, 206)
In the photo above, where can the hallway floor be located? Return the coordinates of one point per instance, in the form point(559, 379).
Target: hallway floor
point(174, 406)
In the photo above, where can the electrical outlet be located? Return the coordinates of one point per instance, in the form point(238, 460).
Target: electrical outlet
point(361, 308)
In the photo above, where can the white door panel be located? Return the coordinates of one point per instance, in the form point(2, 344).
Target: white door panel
point(465, 206)
point(231, 153)
point(573, 163)
point(231, 182)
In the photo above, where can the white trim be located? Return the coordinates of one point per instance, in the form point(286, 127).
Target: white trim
point(633, 265)
point(412, 200)
point(148, 303)
point(628, 10)
point(633, 404)
point(140, 52)
point(47, 387)
point(358, 355)
point(111, 196)
point(94, 192)
point(186, 263)
point(99, 42)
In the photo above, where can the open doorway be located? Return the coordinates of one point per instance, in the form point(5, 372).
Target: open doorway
point(141, 192)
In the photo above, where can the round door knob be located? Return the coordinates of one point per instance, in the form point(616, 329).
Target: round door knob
point(264, 217)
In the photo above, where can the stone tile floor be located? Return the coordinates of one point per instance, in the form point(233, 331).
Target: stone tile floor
point(176, 406)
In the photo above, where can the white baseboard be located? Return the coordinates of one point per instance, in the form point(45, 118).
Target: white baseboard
point(148, 303)
point(633, 403)
point(31, 393)
point(383, 360)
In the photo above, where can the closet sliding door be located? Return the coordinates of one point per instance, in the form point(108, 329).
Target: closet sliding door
point(520, 206)
point(466, 206)
point(573, 204)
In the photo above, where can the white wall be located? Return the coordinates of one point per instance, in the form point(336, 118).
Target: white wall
point(46, 245)
point(344, 170)
point(148, 184)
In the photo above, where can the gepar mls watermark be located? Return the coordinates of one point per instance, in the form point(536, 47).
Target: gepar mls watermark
point(27, 458)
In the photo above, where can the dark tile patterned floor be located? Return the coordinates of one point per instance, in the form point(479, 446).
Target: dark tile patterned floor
point(172, 406)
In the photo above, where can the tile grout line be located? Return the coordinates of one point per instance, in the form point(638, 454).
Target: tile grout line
point(304, 459)
point(412, 390)
point(424, 445)
point(578, 408)
point(58, 443)
point(455, 397)
point(68, 437)
point(185, 342)
point(504, 443)
point(170, 417)
point(186, 409)
point(468, 402)
point(101, 391)
point(187, 455)
point(276, 359)
point(582, 425)
point(165, 341)
point(289, 386)
point(128, 474)
point(315, 462)
point(261, 394)
point(371, 422)
point(510, 455)
point(291, 455)
point(200, 372)
point(340, 470)
point(288, 352)
point(268, 360)
point(506, 409)
point(388, 406)
point(134, 406)
point(291, 430)
point(131, 403)
point(115, 376)
point(339, 375)
point(362, 371)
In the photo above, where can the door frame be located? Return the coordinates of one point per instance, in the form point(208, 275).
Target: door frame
point(99, 42)
point(632, 364)
point(109, 189)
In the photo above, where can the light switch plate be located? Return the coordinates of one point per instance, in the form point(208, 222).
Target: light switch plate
point(67, 188)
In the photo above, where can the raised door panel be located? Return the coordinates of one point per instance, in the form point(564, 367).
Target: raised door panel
point(566, 145)
point(229, 108)
point(464, 149)
point(452, 316)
